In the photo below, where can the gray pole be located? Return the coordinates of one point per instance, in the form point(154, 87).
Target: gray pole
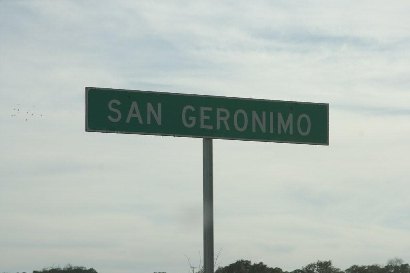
point(208, 206)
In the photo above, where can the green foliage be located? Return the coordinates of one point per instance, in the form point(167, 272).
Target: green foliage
point(393, 266)
point(67, 269)
point(244, 266)
point(320, 267)
point(396, 266)
point(365, 269)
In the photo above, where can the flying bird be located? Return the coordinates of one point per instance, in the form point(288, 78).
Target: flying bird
point(28, 115)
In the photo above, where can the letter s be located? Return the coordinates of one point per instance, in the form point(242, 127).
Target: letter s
point(116, 111)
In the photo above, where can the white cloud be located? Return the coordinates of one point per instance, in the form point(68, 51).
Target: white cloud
point(125, 203)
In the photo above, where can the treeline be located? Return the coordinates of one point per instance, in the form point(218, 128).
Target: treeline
point(243, 266)
point(67, 269)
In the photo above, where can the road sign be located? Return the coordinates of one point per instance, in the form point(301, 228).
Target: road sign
point(160, 113)
point(207, 117)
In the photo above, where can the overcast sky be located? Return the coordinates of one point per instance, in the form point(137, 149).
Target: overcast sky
point(133, 203)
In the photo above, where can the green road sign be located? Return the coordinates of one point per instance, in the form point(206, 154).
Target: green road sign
point(159, 113)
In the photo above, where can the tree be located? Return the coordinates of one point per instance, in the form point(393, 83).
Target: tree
point(241, 266)
point(245, 266)
point(396, 265)
point(321, 267)
point(67, 269)
point(356, 269)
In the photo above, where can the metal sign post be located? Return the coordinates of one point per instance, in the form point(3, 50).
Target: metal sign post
point(208, 206)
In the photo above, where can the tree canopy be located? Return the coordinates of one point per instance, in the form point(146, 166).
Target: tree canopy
point(67, 269)
point(244, 266)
